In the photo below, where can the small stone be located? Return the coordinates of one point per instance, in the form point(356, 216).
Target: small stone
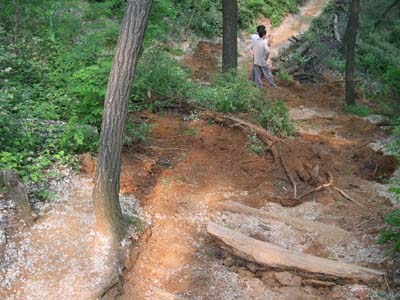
point(288, 279)
point(294, 293)
point(229, 261)
point(264, 227)
point(234, 268)
point(252, 267)
point(245, 273)
point(268, 278)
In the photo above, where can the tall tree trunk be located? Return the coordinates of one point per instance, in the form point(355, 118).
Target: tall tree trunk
point(350, 51)
point(107, 181)
point(229, 40)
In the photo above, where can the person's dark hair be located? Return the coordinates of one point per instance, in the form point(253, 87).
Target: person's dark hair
point(260, 27)
point(262, 32)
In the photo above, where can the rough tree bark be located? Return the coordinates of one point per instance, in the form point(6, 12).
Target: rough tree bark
point(229, 38)
point(107, 181)
point(352, 26)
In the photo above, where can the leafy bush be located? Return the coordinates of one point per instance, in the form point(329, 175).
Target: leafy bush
point(285, 76)
point(391, 234)
point(256, 145)
point(160, 76)
point(227, 93)
point(275, 117)
point(358, 110)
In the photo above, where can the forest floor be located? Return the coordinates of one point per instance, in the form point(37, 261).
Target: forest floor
point(172, 186)
point(197, 164)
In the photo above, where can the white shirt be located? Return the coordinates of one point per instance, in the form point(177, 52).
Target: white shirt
point(261, 52)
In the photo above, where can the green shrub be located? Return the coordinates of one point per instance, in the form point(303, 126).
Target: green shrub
point(358, 110)
point(160, 76)
point(275, 117)
point(227, 93)
point(391, 234)
point(135, 133)
point(285, 76)
point(257, 147)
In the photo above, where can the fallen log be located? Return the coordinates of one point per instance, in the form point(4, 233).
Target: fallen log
point(232, 121)
point(269, 255)
point(328, 233)
point(18, 194)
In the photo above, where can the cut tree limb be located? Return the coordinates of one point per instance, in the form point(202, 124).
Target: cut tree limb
point(18, 194)
point(233, 121)
point(269, 255)
point(328, 233)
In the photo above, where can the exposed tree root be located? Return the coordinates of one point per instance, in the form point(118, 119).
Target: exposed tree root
point(289, 175)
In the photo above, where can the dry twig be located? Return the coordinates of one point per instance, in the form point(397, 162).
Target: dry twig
point(319, 188)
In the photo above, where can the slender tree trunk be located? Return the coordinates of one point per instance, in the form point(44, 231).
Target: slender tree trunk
point(230, 21)
point(107, 181)
point(350, 51)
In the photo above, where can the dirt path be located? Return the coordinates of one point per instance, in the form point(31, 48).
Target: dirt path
point(295, 24)
point(197, 164)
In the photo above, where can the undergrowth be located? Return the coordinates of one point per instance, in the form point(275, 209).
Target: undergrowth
point(391, 234)
point(54, 68)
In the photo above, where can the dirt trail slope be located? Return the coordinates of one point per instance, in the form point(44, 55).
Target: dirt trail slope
point(198, 164)
point(295, 24)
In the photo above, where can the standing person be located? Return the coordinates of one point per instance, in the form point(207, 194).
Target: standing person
point(261, 53)
point(254, 38)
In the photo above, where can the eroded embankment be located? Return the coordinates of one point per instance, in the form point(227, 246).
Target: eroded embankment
point(198, 164)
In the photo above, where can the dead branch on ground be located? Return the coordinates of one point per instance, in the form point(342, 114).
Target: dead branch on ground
point(289, 175)
point(270, 255)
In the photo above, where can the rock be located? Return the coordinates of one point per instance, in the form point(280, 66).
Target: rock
point(268, 278)
point(288, 279)
point(229, 261)
point(234, 268)
point(256, 288)
point(252, 267)
point(293, 293)
point(246, 273)
point(264, 227)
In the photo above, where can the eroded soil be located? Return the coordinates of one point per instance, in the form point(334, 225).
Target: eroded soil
point(192, 164)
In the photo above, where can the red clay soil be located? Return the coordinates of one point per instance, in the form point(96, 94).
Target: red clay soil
point(187, 167)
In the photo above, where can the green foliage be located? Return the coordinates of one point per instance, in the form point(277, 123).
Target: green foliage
point(285, 76)
point(227, 93)
point(256, 145)
point(336, 64)
point(358, 110)
point(160, 77)
point(205, 16)
point(391, 234)
point(275, 117)
point(135, 133)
